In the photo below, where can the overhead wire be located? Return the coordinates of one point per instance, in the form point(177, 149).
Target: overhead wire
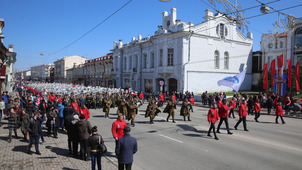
point(99, 24)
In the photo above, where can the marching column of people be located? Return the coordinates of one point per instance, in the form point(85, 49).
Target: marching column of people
point(69, 113)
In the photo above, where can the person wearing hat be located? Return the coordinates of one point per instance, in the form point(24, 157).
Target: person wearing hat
point(125, 149)
point(84, 128)
point(94, 141)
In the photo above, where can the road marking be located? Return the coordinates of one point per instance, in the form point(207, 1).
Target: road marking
point(289, 132)
point(170, 138)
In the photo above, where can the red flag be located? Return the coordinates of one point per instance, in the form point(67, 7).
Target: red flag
point(280, 60)
point(273, 71)
point(297, 76)
point(289, 73)
point(265, 77)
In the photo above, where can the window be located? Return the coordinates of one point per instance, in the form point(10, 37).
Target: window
point(221, 30)
point(298, 38)
point(125, 63)
point(152, 60)
point(226, 60)
point(136, 61)
point(145, 61)
point(281, 44)
point(276, 44)
point(216, 59)
point(170, 56)
point(161, 57)
point(130, 63)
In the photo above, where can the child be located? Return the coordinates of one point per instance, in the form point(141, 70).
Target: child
point(279, 112)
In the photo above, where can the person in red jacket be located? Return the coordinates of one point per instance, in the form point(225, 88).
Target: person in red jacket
point(257, 108)
point(75, 105)
point(219, 103)
point(279, 112)
point(232, 107)
point(84, 111)
point(142, 97)
point(118, 128)
point(242, 115)
point(223, 114)
point(161, 98)
point(173, 97)
point(212, 118)
point(192, 102)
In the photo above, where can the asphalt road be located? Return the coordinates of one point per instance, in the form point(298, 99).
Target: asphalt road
point(185, 145)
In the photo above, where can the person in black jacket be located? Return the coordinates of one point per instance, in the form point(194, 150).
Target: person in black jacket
point(126, 147)
point(34, 129)
point(269, 104)
point(84, 129)
point(94, 142)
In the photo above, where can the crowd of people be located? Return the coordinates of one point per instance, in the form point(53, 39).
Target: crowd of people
point(30, 108)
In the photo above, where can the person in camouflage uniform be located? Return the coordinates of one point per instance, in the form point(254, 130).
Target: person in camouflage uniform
point(170, 109)
point(106, 107)
point(152, 111)
point(185, 110)
point(132, 111)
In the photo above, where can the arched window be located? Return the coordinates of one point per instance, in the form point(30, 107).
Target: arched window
point(298, 38)
point(221, 30)
point(226, 60)
point(216, 59)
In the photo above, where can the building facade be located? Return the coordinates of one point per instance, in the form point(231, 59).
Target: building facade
point(41, 72)
point(61, 65)
point(183, 56)
point(288, 44)
point(97, 71)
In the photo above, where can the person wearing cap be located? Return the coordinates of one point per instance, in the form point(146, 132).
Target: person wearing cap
point(94, 141)
point(118, 128)
point(84, 128)
point(74, 135)
point(125, 149)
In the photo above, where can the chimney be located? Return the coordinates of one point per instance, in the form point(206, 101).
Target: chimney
point(1, 26)
point(209, 14)
point(120, 45)
point(11, 48)
point(173, 16)
point(139, 38)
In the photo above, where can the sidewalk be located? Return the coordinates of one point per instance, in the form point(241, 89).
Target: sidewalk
point(54, 154)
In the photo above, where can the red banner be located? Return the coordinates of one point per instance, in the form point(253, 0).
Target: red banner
point(297, 76)
point(265, 77)
point(280, 60)
point(289, 73)
point(273, 71)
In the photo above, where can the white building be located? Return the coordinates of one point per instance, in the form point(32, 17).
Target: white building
point(186, 57)
point(288, 43)
point(61, 65)
point(41, 72)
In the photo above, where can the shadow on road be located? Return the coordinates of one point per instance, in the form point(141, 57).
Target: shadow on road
point(21, 148)
point(99, 116)
point(110, 154)
point(190, 128)
point(5, 138)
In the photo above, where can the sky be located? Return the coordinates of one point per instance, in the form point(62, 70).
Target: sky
point(48, 26)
